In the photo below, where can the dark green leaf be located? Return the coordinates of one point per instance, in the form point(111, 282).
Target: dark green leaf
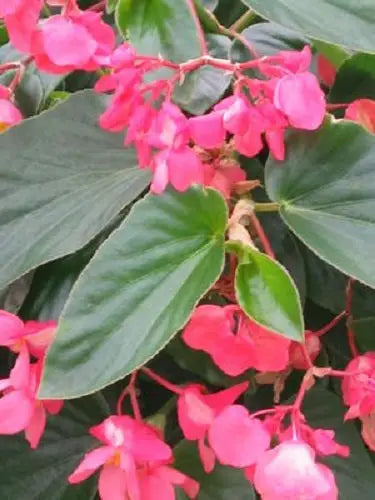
point(364, 330)
point(205, 86)
point(229, 11)
point(355, 79)
point(156, 27)
point(138, 290)
point(335, 54)
point(62, 179)
point(266, 292)
point(42, 474)
point(343, 22)
point(355, 475)
point(326, 188)
point(224, 483)
point(268, 39)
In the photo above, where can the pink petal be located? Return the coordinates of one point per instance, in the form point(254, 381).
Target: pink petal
point(91, 462)
point(272, 350)
point(9, 114)
point(36, 426)
point(185, 169)
point(8, 7)
point(53, 406)
point(326, 71)
point(20, 374)
point(249, 144)
point(208, 131)
point(147, 445)
point(236, 438)
point(16, 410)
point(173, 476)
point(301, 99)
point(112, 483)
point(161, 173)
point(154, 487)
point(39, 336)
point(275, 141)
point(236, 114)
point(11, 327)
point(219, 400)
point(363, 112)
point(207, 456)
point(194, 415)
point(234, 355)
point(21, 25)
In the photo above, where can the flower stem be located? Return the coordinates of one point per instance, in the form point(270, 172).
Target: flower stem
point(267, 207)
point(244, 21)
point(330, 325)
point(162, 381)
point(200, 32)
point(348, 309)
point(262, 235)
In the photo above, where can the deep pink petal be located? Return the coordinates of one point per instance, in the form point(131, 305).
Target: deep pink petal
point(185, 169)
point(20, 374)
point(194, 415)
point(219, 400)
point(208, 131)
point(234, 355)
point(39, 336)
point(11, 327)
point(16, 410)
point(207, 456)
point(53, 406)
point(112, 483)
point(236, 438)
point(91, 462)
point(275, 140)
point(147, 446)
point(36, 426)
point(249, 144)
point(154, 487)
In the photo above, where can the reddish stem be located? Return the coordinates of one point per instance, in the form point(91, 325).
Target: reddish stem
point(130, 391)
point(325, 329)
point(337, 106)
point(348, 309)
point(200, 32)
point(302, 390)
point(120, 401)
point(162, 381)
point(98, 7)
point(307, 357)
point(262, 236)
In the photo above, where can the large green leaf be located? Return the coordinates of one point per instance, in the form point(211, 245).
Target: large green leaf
point(203, 87)
point(266, 292)
point(344, 22)
point(138, 290)
point(42, 474)
point(355, 475)
point(355, 79)
point(364, 330)
point(326, 188)
point(224, 483)
point(156, 27)
point(62, 179)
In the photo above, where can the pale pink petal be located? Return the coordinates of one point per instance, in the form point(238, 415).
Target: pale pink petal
point(9, 114)
point(8, 7)
point(128, 465)
point(16, 410)
point(112, 483)
point(36, 426)
point(161, 173)
point(236, 438)
point(236, 115)
point(194, 415)
point(301, 99)
point(11, 327)
point(91, 462)
point(208, 131)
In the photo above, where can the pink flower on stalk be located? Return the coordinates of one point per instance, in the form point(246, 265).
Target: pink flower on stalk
point(235, 342)
point(301, 99)
point(176, 164)
point(197, 413)
point(127, 444)
point(289, 471)
point(9, 114)
point(362, 111)
point(20, 410)
point(75, 40)
point(358, 386)
point(37, 336)
point(20, 17)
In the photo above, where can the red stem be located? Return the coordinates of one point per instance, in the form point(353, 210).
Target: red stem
point(200, 32)
point(348, 309)
point(98, 7)
point(262, 236)
point(162, 381)
point(130, 391)
point(307, 357)
point(331, 324)
point(337, 106)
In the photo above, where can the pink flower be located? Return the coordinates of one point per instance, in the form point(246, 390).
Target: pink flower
point(37, 336)
point(296, 353)
point(238, 439)
point(234, 342)
point(326, 71)
point(223, 178)
point(78, 40)
point(197, 413)
point(208, 131)
point(368, 430)
point(289, 471)
point(127, 444)
point(20, 410)
point(301, 99)
point(358, 386)
point(362, 111)
point(157, 482)
point(9, 114)
point(20, 17)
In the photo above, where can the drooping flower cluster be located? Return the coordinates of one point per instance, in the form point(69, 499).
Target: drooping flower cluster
point(20, 408)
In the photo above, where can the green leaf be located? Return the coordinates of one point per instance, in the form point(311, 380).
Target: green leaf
point(209, 4)
point(266, 292)
point(355, 475)
point(326, 188)
point(335, 54)
point(138, 290)
point(364, 330)
point(342, 22)
point(224, 483)
point(267, 39)
point(42, 474)
point(62, 180)
point(156, 27)
point(229, 11)
point(205, 86)
point(355, 79)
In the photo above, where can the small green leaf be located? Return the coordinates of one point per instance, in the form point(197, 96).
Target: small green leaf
point(62, 180)
point(224, 483)
point(156, 27)
point(42, 474)
point(138, 290)
point(326, 188)
point(205, 86)
point(319, 19)
point(355, 79)
point(267, 294)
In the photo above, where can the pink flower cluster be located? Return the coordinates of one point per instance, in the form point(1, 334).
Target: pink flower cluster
point(20, 408)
